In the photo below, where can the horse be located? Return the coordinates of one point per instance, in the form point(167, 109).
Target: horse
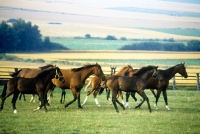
point(161, 85)
point(30, 73)
point(136, 83)
point(62, 99)
point(96, 88)
point(36, 85)
point(75, 80)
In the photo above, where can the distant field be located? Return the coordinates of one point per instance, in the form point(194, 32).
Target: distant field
point(103, 44)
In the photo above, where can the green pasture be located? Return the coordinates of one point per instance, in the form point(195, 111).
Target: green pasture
point(184, 117)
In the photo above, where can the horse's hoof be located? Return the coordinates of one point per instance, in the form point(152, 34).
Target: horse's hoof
point(80, 107)
point(15, 111)
point(66, 105)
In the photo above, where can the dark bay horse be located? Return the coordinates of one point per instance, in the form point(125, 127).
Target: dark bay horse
point(36, 85)
point(161, 85)
point(31, 73)
point(137, 83)
point(75, 80)
point(95, 81)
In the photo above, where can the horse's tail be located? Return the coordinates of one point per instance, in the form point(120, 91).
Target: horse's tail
point(88, 85)
point(4, 90)
point(15, 73)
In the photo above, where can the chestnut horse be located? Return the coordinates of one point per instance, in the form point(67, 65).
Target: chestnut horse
point(36, 85)
point(136, 83)
point(161, 85)
point(75, 80)
point(96, 88)
point(31, 73)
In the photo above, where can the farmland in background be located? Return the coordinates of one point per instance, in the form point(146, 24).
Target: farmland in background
point(102, 44)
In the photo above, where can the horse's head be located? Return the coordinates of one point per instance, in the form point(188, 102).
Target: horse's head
point(98, 71)
point(155, 73)
point(113, 70)
point(59, 75)
point(182, 70)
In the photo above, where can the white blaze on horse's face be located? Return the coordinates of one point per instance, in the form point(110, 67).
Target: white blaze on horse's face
point(155, 73)
point(59, 76)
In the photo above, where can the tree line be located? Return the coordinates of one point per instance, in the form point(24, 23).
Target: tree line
point(192, 45)
point(21, 36)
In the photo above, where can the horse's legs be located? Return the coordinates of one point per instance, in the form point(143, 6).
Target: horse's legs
point(127, 97)
point(42, 99)
point(88, 85)
point(14, 99)
point(108, 94)
point(165, 98)
point(20, 96)
point(24, 97)
point(121, 95)
point(76, 95)
point(62, 100)
point(4, 98)
point(32, 98)
point(114, 99)
point(133, 96)
point(157, 98)
point(143, 95)
point(50, 89)
point(95, 97)
point(152, 90)
point(88, 93)
point(121, 104)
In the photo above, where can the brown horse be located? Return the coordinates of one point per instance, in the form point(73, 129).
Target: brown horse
point(96, 84)
point(31, 73)
point(136, 83)
point(36, 85)
point(161, 85)
point(75, 79)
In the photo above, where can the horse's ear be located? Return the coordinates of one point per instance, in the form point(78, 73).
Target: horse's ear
point(96, 63)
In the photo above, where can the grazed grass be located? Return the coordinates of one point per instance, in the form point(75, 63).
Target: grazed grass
point(183, 118)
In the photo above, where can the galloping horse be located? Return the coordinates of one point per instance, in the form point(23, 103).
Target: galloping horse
point(36, 85)
point(31, 73)
point(75, 80)
point(137, 83)
point(161, 86)
point(97, 88)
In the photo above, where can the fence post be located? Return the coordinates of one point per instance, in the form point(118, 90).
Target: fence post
point(198, 84)
point(174, 82)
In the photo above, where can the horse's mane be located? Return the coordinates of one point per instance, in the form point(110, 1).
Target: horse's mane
point(143, 69)
point(124, 68)
point(44, 71)
point(83, 67)
point(15, 73)
point(169, 70)
point(46, 66)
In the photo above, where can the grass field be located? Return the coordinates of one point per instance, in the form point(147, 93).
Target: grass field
point(182, 119)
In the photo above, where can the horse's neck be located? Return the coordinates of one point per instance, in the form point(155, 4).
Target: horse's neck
point(146, 75)
point(85, 73)
point(121, 73)
point(172, 72)
point(47, 78)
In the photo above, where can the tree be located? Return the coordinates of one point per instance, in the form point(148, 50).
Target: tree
point(87, 36)
point(193, 45)
point(29, 36)
point(8, 38)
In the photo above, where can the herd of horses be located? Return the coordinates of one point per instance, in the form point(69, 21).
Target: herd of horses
point(43, 79)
